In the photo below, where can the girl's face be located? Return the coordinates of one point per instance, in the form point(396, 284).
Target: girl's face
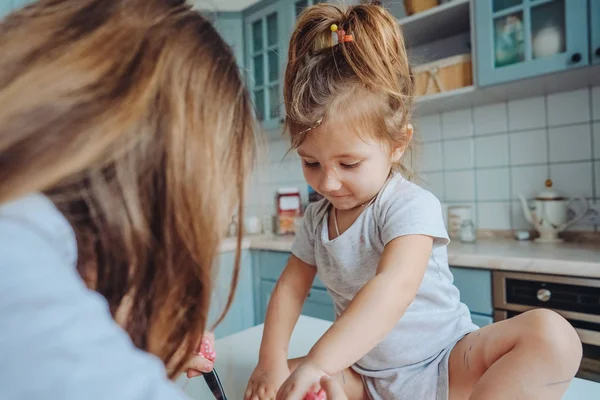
point(344, 167)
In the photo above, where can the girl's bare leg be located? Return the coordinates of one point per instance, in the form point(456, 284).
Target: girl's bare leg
point(532, 356)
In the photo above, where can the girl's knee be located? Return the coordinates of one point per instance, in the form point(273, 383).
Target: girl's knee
point(550, 331)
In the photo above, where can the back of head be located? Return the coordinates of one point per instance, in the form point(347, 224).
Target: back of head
point(133, 117)
point(367, 80)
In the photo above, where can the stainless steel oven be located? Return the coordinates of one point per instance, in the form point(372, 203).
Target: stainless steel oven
point(576, 299)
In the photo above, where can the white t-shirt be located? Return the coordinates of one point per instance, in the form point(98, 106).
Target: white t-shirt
point(57, 337)
point(436, 319)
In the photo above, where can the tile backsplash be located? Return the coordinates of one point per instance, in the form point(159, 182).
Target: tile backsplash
point(492, 153)
point(482, 156)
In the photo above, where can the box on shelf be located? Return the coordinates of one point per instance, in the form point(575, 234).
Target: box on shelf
point(443, 75)
point(417, 6)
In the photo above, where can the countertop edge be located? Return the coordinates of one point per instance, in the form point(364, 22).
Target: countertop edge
point(469, 256)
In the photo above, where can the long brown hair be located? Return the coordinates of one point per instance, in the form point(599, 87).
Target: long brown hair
point(368, 79)
point(132, 116)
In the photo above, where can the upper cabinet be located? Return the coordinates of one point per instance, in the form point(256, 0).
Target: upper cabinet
point(7, 6)
point(595, 31)
point(230, 27)
point(523, 38)
point(265, 35)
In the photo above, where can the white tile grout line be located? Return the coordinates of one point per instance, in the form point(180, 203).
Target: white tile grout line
point(595, 188)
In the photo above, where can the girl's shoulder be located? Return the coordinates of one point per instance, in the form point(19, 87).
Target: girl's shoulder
point(400, 192)
point(37, 216)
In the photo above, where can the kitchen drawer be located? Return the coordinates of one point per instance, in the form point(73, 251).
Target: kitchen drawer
point(475, 286)
point(272, 263)
point(318, 304)
point(481, 320)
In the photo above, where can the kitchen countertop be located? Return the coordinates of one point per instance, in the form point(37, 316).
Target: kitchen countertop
point(573, 259)
point(238, 355)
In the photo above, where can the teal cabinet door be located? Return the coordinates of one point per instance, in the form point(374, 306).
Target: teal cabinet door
point(481, 320)
point(230, 26)
point(241, 313)
point(266, 30)
point(524, 38)
point(595, 30)
point(7, 6)
point(475, 287)
point(318, 304)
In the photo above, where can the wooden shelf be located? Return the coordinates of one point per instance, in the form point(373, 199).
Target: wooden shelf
point(439, 22)
point(472, 96)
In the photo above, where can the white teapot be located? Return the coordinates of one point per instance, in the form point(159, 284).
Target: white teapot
point(549, 213)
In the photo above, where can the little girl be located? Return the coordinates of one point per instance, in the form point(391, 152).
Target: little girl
point(378, 243)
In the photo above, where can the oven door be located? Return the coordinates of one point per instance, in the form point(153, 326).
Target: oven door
point(576, 299)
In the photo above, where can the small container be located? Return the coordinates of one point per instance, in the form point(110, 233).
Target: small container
point(267, 223)
point(288, 207)
point(468, 233)
point(417, 6)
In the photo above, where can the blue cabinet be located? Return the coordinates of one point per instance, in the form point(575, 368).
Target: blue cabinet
point(475, 287)
point(266, 29)
point(230, 26)
point(595, 31)
point(268, 266)
point(7, 6)
point(523, 38)
point(241, 313)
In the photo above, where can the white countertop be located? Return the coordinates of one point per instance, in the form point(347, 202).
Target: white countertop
point(572, 259)
point(238, 355)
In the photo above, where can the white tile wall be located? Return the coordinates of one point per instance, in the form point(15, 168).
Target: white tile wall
point(429, 128)
point(431, 158)
point(494, 215)
point(493, 184)
point(597, 140)
point(490, 119)
point(457, 124)
point(597, 175)
point(460, 185)
point(492, 151)
point(570, 143)
point(573, 179)
point(459, 154)
point(569, 107)
point(529, 147)
point(596, 102)
point(527, 113)
point(527, 181)
point(482, 156)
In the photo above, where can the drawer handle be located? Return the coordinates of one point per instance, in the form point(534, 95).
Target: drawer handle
point(598, 52)
point(544, 295)
point(308, 297)
point(576, 58)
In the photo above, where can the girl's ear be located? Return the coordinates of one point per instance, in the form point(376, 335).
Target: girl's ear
point(398, 151)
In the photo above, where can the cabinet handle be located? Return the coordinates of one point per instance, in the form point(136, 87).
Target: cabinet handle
point(597, 52)
point(308, 297)
point(576, 58)
point(544, 295)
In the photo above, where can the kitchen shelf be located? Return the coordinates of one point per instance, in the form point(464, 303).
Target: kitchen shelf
point(439, 22)
point(471, 96)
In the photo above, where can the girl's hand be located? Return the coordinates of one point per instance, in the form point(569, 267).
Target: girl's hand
point(332, 388)
point(266, 380)
point(202, 362)
point(305, 381)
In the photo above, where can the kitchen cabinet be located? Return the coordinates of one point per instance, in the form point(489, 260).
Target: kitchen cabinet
point(230, 26)
point(241, 313)
point(266, 31)
point(7, 6)
point(475, 287)
point(524, 38)
point(268, 267)
point(595, 31)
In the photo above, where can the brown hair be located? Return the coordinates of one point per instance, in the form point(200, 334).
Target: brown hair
point(132, 116)
point(368, 78)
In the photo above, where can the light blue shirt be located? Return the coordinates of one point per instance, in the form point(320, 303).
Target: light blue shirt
point(57, 337)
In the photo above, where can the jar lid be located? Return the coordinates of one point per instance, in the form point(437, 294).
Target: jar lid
point(549, 193)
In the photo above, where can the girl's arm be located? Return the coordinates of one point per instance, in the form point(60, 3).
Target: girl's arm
point(284, 309)
point(377, 307)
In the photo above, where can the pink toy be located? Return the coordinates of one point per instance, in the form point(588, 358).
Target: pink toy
point(207, 351)
point(320, 395)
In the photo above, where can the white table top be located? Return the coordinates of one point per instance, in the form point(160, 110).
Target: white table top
point(238, 355)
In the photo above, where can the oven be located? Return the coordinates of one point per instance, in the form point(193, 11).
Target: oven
point(576, 299)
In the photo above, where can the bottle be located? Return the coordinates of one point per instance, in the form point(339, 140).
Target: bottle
point(468, 233)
